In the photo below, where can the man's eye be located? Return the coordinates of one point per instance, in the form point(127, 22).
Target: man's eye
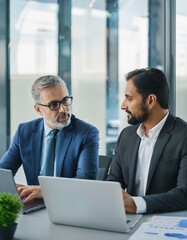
point(64, 101)
point(54, 104)
point(129, 99)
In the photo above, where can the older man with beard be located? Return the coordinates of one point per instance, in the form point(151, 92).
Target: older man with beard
point(76, 142)
point(150, 159)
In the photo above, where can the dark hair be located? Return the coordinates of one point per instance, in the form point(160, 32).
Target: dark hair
point(151, 81)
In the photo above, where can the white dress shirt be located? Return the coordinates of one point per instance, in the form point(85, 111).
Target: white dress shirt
point(144, 158)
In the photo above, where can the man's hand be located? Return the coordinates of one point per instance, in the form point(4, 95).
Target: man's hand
point(129, 203)
point(29, 192)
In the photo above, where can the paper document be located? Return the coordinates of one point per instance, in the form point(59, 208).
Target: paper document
point(162, 228)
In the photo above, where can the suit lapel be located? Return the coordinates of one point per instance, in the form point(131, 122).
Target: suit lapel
point(64, 139)
point(37, 140)
point(160, 144)
point(132, 165)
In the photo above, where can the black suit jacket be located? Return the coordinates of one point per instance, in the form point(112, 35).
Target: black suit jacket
point(167, 178)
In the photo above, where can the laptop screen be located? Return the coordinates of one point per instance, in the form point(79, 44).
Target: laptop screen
point(8, 185)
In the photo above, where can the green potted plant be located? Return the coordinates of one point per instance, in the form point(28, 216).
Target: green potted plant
point(10, 206)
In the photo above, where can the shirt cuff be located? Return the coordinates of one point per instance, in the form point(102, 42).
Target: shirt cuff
point(140, 204)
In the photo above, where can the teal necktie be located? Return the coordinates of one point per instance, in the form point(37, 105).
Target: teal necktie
point(50, 157)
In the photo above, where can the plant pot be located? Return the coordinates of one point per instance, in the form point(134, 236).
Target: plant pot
point(7, 233)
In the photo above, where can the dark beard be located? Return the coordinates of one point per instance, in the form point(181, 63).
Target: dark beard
point(139, 119)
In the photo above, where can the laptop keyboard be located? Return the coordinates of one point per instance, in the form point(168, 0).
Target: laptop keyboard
point(33, 205)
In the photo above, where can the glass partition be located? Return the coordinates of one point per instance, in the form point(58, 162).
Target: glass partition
point(109, 38)
point(33, 52)
point(181, 58)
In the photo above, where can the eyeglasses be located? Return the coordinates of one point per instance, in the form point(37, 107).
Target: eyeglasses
point(55, 105)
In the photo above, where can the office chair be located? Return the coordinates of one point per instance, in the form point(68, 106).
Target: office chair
point(104, 164)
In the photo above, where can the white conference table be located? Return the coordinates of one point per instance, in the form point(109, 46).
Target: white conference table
point(37, 226)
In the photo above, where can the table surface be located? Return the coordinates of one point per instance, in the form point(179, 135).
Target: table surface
point(37, 226)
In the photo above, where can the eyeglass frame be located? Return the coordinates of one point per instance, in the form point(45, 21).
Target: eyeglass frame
point(59, 102)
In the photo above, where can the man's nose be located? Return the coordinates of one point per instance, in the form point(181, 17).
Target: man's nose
point(62, 108)
point(124, 105)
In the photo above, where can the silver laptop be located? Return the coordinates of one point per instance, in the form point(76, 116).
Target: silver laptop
point(8, 185)
point(86, 203)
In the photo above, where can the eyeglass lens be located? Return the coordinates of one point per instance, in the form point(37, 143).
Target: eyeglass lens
point(56, 104)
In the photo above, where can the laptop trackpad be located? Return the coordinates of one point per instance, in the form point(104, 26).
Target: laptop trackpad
point(132, 219)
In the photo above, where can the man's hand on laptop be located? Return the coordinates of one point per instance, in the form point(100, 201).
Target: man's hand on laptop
point(29, 192)
point(129, 203)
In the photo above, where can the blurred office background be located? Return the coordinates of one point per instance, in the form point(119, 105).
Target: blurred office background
point(91, 44)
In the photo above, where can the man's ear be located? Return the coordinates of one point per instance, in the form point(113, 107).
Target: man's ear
point(151, 100)
point(37, 109)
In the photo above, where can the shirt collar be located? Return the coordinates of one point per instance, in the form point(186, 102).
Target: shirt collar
point(47, 129)
point(153, 132)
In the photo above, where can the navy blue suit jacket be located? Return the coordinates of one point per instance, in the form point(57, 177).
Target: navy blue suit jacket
point(77, 150)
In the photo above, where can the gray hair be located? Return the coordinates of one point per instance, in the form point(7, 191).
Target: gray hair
point(44, 82)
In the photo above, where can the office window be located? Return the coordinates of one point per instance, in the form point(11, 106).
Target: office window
point(109, 38)
point(33, 52)
point(181, 58)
